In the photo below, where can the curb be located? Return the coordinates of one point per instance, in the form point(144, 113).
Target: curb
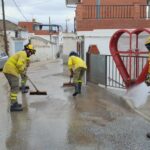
point(136, 110)
point(130, 105)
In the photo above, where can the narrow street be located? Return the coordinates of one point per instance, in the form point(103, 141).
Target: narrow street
point(94, 120)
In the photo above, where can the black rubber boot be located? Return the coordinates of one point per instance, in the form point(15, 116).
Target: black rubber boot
point(79, 87)
point(76, 90)
point(148, 135)
point(24, 89)
point(16, 107)
point(20, 105)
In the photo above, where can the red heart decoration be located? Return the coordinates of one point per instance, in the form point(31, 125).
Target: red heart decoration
point(126, 68)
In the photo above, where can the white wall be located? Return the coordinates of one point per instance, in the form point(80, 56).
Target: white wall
point(69, 44)
point(24, 37)
point(62, 43)
point(44, 51)
point(102, 37)
point(46, 47)
point(42, 54)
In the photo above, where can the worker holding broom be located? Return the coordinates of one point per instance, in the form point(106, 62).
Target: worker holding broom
point(77, 68)
point(147, 80)
point(16, 65)
point(147, 44)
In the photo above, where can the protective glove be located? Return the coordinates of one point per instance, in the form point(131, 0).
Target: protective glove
point(23, 83)
point(24, 89)
point(71, 73)
point(147, 80)
point(71, 76)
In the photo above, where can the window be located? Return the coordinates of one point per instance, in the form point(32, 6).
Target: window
point(148, 9)
point(97, 8)
point(17, 34)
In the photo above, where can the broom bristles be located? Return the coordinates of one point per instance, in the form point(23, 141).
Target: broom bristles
point(38, 93)
point(68, 84)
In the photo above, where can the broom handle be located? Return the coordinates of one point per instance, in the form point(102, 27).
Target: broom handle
point(32, 84)
point(70, 80)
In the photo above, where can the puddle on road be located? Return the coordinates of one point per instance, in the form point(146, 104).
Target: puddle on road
point(39, 104)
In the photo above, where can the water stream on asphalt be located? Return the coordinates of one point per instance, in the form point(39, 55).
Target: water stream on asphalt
point(138, 94)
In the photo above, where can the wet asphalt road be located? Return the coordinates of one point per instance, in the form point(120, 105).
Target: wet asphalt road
point(94, 120)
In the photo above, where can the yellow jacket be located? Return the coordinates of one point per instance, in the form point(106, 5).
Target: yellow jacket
point(16, 64)
point(75, 62)
point(147, 40)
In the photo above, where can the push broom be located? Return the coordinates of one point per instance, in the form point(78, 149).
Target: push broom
point(37, 92)
point(68, 84)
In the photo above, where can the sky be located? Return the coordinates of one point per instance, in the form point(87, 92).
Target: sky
point(41, 11)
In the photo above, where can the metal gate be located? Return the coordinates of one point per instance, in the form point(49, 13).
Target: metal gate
point(97, 72)
point(102, 69)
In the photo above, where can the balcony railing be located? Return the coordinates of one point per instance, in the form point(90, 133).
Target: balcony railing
point(115, 11)
point(145, 11)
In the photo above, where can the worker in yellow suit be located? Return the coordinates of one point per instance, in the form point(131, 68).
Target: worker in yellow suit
point(147, 80)
point(147, 44)
point(77, 69)
point(15, 66)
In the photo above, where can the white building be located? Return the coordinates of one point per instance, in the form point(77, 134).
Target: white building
point(17, 37)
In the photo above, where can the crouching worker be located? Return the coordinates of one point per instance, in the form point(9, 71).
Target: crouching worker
point(147, 44)
point(13, 68)
point(77, 69)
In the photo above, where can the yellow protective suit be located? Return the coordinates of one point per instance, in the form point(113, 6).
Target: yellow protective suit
point(147, 40)
point(16, 64)
point(75, 62)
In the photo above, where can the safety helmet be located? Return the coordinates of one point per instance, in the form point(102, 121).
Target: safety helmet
point(147, 43)
point(73, 54)
point(30, 48)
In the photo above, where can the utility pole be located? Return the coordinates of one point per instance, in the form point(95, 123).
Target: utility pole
point(50, 30)
point(4, 28)
point(67, 24)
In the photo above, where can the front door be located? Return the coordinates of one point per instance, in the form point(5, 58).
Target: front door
point(18, 46)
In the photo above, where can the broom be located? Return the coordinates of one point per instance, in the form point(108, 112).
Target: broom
point(68, 84)
point(37, 92)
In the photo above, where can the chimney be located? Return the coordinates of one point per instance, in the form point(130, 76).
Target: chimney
point(33, 20)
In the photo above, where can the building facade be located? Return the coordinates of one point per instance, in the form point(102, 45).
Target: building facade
point(17, 37)
point(98, 21)
point(46, 38)
point(37, 28)
point(112, 14)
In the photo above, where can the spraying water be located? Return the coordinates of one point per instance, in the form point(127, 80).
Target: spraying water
point(138, 94)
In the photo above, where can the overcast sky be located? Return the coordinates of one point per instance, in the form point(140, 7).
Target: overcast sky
point(40, 10)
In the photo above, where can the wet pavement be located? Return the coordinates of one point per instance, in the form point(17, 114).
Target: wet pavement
point(94, 120)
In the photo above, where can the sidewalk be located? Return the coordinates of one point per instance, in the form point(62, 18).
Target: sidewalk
point(5, 123)
point(143, 110)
